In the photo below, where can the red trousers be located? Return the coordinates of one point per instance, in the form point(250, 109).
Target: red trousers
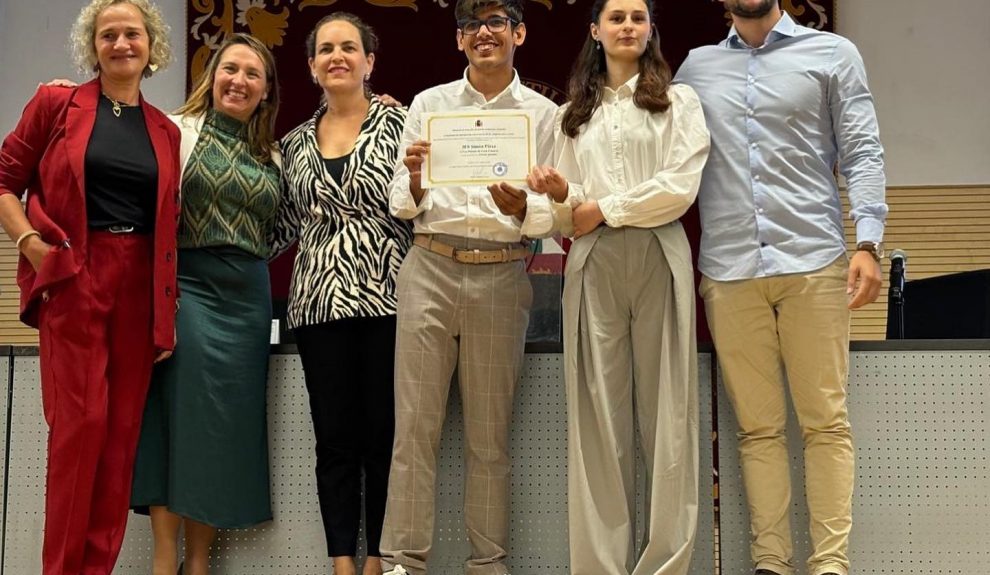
point(96, 355)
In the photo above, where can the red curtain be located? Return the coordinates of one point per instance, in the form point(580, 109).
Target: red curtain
point(418, 50)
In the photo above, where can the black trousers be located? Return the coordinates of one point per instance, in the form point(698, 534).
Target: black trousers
point(349, 365)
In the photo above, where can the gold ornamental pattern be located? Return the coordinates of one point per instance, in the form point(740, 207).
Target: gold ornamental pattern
point(267, 20)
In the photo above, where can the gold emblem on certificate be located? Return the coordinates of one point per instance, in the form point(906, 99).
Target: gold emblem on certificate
point(478, 148)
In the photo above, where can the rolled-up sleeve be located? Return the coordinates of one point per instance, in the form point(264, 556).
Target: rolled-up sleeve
point(861, 162)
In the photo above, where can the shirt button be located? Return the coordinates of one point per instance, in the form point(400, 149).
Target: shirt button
point(749, 112)
point(752, 80)
point(753, 145)
point(759, 210)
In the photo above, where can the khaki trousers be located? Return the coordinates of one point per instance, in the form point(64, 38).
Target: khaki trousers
point(630, 358)
point(794, 325)
point(474, 318)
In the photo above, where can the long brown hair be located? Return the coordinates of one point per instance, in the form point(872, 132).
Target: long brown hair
point(261, 126)
point(585, 87)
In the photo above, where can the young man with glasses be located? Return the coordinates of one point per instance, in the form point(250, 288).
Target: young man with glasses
point(463, 313)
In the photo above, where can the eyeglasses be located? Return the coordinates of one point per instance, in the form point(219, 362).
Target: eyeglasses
point(495, 24)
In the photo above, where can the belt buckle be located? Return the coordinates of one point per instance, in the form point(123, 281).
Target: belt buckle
point(120, 229)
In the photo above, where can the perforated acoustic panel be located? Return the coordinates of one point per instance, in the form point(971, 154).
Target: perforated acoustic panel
point(922, 499)
point(293, 543)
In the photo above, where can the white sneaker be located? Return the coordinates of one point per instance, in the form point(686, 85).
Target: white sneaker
point(397, 571)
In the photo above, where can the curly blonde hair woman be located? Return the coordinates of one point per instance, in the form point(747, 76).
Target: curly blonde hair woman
point(100, 170)
point(84, 32)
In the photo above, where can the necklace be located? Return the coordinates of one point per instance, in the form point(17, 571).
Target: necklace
point(116, 105)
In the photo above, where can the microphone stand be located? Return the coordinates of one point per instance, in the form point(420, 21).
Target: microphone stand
point(895, 298)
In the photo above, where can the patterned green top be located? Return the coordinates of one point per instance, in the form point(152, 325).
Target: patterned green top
point(228, 197)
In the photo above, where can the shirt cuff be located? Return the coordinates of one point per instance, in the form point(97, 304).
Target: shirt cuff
point(610, 211)
point(539, 217)
point(405, 206)
point(869, 230)
point(575, 195)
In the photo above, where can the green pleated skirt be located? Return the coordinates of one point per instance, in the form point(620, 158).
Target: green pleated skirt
point(203, 451)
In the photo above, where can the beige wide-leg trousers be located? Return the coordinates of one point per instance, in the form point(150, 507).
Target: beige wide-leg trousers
point(799, 325)
point(474, 318)
point(630, 356)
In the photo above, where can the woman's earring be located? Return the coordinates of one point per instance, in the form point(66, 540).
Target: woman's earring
point(367, 77)
point(598, 44)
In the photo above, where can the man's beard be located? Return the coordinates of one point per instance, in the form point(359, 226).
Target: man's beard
point(759, 11)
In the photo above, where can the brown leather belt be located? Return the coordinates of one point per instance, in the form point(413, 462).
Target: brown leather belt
point(471, 256)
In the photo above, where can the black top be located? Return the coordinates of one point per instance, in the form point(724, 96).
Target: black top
point(336, 167)
point(121, 170)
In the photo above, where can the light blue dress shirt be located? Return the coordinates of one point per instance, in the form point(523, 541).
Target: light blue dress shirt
point(781, 117)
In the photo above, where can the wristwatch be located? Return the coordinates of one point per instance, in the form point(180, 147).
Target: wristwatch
point(874, 248)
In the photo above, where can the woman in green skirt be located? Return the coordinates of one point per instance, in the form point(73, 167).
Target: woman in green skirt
point(202, 459)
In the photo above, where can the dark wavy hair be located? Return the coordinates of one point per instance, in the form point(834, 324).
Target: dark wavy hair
point(584, 89)
point(369, 40)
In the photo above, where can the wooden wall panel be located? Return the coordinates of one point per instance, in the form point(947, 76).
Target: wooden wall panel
point(12, 331)
point(942, 230)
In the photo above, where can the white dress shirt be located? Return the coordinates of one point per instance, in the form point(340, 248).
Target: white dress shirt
point(643, 168)
point(470, 211)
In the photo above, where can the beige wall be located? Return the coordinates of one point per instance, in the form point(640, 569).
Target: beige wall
point(930, 74)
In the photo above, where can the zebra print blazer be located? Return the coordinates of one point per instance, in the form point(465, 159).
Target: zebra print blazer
point(350, 247)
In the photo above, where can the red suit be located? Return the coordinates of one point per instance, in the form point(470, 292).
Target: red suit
point(104, 306)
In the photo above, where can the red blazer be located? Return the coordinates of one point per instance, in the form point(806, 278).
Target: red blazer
point(45, 155)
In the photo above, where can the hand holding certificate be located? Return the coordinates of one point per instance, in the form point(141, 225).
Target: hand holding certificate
point(477, 148)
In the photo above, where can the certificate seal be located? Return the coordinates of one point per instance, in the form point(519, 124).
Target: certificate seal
point(500, 169)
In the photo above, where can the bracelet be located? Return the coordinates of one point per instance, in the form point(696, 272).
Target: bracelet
point(24, 236)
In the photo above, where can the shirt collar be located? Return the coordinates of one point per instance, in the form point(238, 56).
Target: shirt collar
point(514, 89)
point(627, 90)
point(784, 28)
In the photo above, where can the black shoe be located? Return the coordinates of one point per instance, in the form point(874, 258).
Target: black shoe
point(765, 572)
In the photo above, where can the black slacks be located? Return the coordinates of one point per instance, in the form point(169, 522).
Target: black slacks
point(349, 365)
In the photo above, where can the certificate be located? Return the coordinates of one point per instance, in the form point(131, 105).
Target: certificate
point(478, 147)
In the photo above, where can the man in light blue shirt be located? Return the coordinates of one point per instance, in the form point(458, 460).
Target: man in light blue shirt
point(785, 105)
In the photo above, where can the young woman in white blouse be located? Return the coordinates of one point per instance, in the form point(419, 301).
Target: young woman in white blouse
point(630, 152)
